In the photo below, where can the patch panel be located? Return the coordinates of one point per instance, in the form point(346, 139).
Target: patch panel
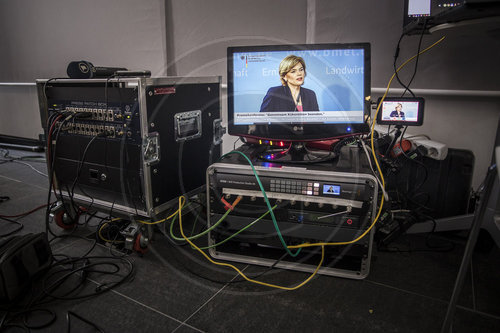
point(90, 129)
point(99, 114)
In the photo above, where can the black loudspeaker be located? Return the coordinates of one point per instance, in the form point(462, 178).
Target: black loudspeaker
point(22, 259)
point(85, 70)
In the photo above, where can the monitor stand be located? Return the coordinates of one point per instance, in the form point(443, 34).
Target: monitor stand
point(296, 153)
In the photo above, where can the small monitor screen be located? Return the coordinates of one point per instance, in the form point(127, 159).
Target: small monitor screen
point(330, 189)
point(418, 8)
point(286, 85)
point(401, 111)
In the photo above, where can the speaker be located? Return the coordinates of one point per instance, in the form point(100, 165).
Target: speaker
point(86, 70)
point(22, 259)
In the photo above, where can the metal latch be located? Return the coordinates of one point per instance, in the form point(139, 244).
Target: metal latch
point(151, 148)
point(219, 131)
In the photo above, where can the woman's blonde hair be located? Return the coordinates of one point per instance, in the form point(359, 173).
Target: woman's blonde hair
point(287, 64)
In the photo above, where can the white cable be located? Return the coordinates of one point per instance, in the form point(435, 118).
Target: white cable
point(37, 171)
point(386, 196)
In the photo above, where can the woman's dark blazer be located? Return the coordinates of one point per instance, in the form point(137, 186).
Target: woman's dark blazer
point(280, 99)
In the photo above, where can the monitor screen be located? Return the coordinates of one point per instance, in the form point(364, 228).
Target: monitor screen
point(298, 92)
point(405, 111)
point(418, 8)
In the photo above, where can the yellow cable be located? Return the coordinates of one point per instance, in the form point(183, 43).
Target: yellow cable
point(240, 272)
point(375, 158)
point(165, 219)
point(102, 227)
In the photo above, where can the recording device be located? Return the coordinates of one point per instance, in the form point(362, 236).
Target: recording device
point(336, 75)
point(313, 204)
point(401, 111)
point(86, 70)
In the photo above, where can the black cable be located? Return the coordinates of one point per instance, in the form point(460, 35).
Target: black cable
point(418, 56)
point(195, 273)
point(426, 174)
point(19, 228)
point(396, 55)
point(49, 322)
point(80, 167)
point(76, 236)
point(68, 321)
point(104, 287)
point(51, 173)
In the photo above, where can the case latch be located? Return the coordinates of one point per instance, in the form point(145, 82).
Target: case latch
point(219, 131)
point(151, 148)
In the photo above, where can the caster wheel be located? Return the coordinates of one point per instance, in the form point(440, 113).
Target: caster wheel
point(64, 222)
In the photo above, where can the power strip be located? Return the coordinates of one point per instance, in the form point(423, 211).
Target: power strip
point(435, 150)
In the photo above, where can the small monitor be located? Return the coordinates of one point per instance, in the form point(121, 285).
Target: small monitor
point(331, 189)
point(417, 10)
point(404, 111)
point(298, 92)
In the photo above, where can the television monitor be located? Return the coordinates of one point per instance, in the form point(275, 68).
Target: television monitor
point(334, 94)
point(415, 11)
point(403, 111)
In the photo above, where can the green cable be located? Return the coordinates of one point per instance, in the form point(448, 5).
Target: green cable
point(200, 234)
point(194, 224)
point(238, 232)
point(267, 202)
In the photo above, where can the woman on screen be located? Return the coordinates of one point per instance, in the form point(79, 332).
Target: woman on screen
point(290, 96)
point(398, 112)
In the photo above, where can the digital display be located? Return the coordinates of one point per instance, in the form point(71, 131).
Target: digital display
point(418, 8)
point(400, 110)
point(330, 189)
point(404, 111)
point(298, 92)
point(327, 86)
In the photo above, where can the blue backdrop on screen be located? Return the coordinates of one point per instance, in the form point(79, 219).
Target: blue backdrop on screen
point(336, 76)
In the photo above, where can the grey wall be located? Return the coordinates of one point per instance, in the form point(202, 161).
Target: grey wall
point(39, 39)
point(466, 60)
point(191, 36)
point(200, 31)
point(44, 36)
